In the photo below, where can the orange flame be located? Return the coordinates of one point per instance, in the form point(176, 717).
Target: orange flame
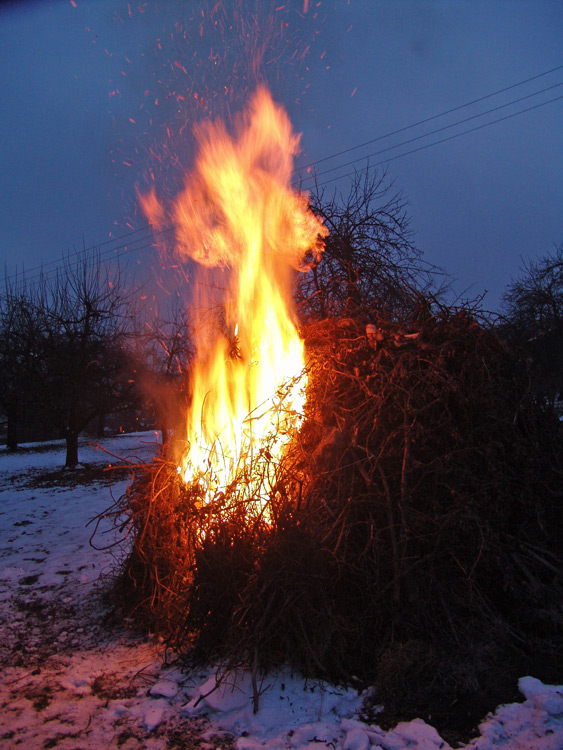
point(238, 213)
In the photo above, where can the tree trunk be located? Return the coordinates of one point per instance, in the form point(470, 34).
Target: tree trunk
point(101, 425)
point(164, 438)
point(71, 438)
point(12, 436)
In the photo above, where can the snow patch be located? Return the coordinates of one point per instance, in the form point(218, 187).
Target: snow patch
point(70, 683)
point(164, 689)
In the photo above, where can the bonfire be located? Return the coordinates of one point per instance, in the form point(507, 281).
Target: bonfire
point(364, 499)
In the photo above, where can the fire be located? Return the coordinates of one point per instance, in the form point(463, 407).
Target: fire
point(240, 220)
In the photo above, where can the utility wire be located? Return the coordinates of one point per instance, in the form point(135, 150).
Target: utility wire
point(442, 140)
point(131, 247)
point(433, 132)
point(430, 119)
point(75, 261)
point(41, 266)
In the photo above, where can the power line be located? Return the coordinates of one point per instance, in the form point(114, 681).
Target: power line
point(442, 140)
point(129, 247)
point(111, 253)
point(433, 132)
point(433, 117)
point(41, 267)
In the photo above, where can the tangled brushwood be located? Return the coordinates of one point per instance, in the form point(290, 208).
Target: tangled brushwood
point(413, 534)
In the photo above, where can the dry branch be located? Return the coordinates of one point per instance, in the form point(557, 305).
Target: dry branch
point(413, 531)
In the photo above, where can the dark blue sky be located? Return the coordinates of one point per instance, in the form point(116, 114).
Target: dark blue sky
point(88, 88)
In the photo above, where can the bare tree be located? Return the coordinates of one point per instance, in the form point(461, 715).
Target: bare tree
point(162, 344)
point(83, 315)
point(533, 307)
point(369, 260)
point(19, 332)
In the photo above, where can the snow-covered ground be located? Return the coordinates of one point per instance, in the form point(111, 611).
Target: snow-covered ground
point(73, 679)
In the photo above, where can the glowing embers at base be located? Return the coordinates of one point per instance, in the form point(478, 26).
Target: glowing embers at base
point(249, 232)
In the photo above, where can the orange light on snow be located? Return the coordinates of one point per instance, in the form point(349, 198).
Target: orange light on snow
point(239, 216)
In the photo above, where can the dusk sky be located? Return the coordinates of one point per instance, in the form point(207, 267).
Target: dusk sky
point(95, 94)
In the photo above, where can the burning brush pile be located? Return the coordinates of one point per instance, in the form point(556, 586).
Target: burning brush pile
point(367, 499)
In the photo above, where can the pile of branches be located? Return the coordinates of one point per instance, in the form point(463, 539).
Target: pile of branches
point(413, 536)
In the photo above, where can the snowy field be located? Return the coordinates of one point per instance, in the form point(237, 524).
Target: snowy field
point(73, 679)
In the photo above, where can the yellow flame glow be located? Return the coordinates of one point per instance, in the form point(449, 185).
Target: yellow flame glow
point(238, 213)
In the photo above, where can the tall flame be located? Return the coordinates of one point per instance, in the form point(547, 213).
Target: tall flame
point(238, 213)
